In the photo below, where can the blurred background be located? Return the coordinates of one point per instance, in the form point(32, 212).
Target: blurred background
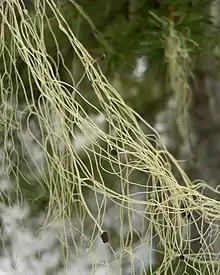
point(174, 87)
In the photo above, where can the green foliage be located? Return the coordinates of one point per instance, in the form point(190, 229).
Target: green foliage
point(148, 26)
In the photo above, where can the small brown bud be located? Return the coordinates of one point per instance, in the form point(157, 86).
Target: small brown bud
point(104, 237)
